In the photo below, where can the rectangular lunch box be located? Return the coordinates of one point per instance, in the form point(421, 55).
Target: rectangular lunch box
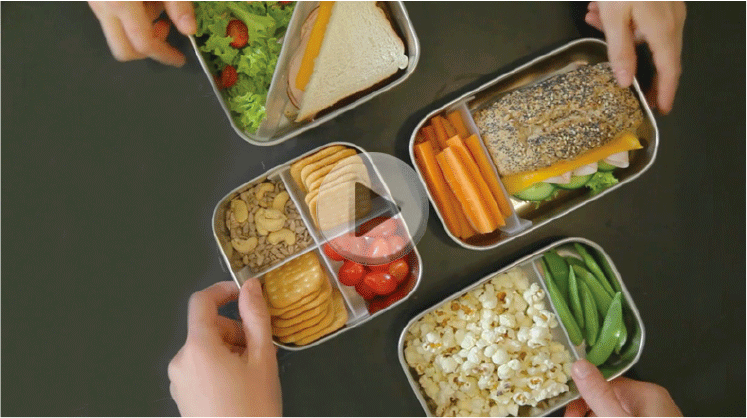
point(359, 311)
point(528, 216)
point(531, 265)
point(279, 128)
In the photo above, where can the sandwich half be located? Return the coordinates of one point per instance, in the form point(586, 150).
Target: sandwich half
point(359, 49)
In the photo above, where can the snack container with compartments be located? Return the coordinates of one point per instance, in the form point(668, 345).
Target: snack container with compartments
point(359, 311)
point(531, 266)
point(276, 128)
point(527, 216)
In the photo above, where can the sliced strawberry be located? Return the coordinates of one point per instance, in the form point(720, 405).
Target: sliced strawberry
point(228, 77)
point(237, 30)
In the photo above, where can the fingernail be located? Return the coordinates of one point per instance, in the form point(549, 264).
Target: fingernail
point(583, 369)
point(188, 23)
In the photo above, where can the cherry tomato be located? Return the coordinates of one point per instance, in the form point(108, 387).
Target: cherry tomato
point(383, 228)
point(228, 77)
point(378, 249)
point(396, 244)
point(384, 268)
point(364, 290)
point(349, 245)
point(236, 29)
point(381, 283)
point(399, 269)
point(351, 273)
point(331, 253)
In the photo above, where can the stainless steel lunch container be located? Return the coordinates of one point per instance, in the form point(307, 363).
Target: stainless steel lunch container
point(529, 216)
point(402, 25)
point(357, 309)
point(533, 271)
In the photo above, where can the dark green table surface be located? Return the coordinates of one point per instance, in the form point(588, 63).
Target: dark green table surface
point(110, 172)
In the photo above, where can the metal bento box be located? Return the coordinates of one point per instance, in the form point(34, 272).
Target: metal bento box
point(309, 238)
point(531, 268)
point(526, 216)
point(276, 127)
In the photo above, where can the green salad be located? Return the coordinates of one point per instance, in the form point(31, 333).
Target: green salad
point(243, 43)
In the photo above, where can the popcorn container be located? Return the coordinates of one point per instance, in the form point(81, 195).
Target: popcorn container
point(531, 267)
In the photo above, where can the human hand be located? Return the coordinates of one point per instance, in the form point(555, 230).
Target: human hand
point(620, 397)
point(132, 34)
point(660, 25)
point(227, 367)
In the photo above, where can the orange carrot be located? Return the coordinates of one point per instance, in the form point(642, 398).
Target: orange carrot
point(430, 136)
point(473, 172)
point(488, 173)
point(456, 119)
point(441, 136)
point(466, 192)
point(426, 160)
point(450, 130)
point(419, 137)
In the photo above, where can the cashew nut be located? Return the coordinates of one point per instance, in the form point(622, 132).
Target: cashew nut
point(268, 220)
point(240, 211)
point(244, 246)
point(284, 234)
point(264, 188)
point(280, 200)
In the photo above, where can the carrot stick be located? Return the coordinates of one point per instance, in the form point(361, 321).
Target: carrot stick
point(441, 136)
point(450, 130)
point(466, 193)
point(419, 137)
point(426, 160)
point(473, 172)
point(430, 137)
point(488, 173)
point(456, 119)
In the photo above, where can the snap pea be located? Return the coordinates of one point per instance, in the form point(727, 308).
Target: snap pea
point(594, 267)
point(601, 297)
point(590, 314)
point(609, 333)
point(623, 337)
point(607, 269)
point(573, 261)
point(574, 299)
point(574, 333)
point(558, 269)
point(633, 345)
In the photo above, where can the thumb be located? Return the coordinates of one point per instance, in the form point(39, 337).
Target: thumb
point(616, 21)
point(595, 390)
point(255, 318)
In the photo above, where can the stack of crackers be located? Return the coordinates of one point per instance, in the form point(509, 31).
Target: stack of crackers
point(303, 304)
point(337, 174)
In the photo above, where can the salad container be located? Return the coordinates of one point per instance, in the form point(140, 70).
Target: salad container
point(531, 265)
point(276, 127)
point(358, 309)
point(527, 216)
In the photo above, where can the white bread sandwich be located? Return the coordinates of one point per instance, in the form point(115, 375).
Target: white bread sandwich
point(357, 48)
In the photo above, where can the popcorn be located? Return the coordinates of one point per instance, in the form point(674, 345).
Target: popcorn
point(490, 350)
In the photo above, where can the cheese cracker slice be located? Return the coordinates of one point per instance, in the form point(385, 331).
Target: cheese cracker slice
point(300, 164)
point(329, 160)
point(294, 280)
point(294, 328)
point(341, 317)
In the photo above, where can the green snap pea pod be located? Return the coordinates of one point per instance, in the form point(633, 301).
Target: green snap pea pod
point(574, 299)
point(574, 333)
point(601, 297)
point(609, 333)
point(607, 372)
point(594, 268)
point(607, 269)
point(633, 345)
point(590, 314)
point(573, 261)
point(559, 270)
point(623, 337)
